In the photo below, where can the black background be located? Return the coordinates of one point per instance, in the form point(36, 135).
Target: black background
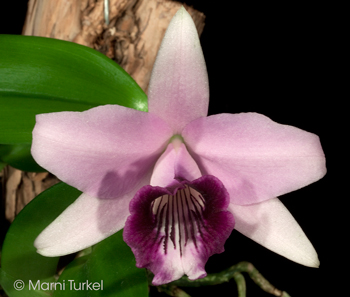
point(271, 60)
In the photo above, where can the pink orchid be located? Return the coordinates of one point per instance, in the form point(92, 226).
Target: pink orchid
point(177, 180)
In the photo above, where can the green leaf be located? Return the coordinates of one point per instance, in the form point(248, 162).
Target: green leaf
point(110, 261)
point(19, 259)
point(18, 156)
point(110, 266)
point(40, 75)
point(13, 287)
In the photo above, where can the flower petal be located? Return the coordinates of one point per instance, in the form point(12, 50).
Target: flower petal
point(164, 170)
point(85, 222)
point(105, 151)
point(173, 233)
point(174, 163)
point(270, 224)
point(178, 90)
point(254, 157)
point(185, 167)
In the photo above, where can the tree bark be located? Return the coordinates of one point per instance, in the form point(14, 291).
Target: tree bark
point(21, 187)
point(132, 39)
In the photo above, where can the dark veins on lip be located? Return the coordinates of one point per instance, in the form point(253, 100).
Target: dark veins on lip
point(181, 215)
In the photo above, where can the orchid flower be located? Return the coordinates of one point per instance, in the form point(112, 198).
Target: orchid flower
point(177, 181)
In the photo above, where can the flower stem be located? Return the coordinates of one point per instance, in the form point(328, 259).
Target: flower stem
point(234, 272)
point(240, 281)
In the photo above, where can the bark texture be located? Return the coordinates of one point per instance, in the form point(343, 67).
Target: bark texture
point(21, 187)
point(132, 39)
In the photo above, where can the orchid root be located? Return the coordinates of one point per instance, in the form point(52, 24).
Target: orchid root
point(233, 272)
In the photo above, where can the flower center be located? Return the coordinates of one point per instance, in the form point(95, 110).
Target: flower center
point(176, 140)
point(173, 231)
point(179, 218)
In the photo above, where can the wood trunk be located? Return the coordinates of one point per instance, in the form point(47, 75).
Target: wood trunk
point(132, 39)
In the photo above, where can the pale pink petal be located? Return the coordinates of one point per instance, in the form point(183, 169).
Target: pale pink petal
point(185, 166)
point(256, 158)
point(105, 151)
point(85, 222)
point(164, 170)
point(270, 224)
point(178, 90)
point(175, 162)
